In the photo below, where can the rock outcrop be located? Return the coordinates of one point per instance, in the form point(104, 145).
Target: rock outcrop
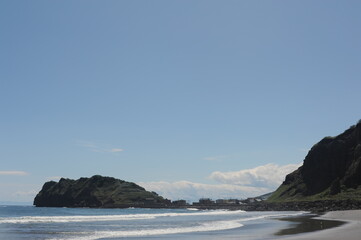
point(331, 170)
point(96, 192)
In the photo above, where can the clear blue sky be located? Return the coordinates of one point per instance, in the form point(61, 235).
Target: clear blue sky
point(151, 91)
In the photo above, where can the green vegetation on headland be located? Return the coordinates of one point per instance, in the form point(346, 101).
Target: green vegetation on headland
point(329, 179)
point(107, 192)
point(331, 171)
point(96, 192)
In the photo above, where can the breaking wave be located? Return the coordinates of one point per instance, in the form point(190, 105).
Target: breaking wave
point(93, 218)
point(201, 227)
point(204, 227)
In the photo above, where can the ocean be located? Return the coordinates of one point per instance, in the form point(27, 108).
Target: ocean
point(31, 223)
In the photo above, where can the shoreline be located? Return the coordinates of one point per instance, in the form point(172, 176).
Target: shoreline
point(345, 225)
point(351, 230)
point(316, 206)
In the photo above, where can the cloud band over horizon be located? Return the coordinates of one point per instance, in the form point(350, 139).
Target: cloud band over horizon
point(13, 173)
point(238, 184)
point(269, 175)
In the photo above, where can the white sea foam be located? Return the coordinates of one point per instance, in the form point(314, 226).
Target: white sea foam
point(193, 209)
point(65, 219)
point(216, 222)
point(204, 227)
point(271, 216)
point(94, 218)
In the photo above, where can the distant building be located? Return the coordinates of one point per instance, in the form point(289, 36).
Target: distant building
point(167, 201)
point(206, 201)
point(233, 201)
point(221, 201)
point(180, 202)
point(227, 201)
point(252, 200)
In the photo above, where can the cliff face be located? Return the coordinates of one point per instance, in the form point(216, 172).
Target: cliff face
point(331, 170)
point(97, 191)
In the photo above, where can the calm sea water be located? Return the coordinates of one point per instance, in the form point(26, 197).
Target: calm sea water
point(30, 223)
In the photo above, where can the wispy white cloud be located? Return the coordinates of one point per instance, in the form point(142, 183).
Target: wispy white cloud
point(13, 173)
point(193, 191)
point(98, 147)
point(239, 184)
point(116, 150)
point(269, 175)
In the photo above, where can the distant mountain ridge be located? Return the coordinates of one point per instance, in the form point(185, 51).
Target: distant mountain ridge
point(97, 192)
point(331, 170)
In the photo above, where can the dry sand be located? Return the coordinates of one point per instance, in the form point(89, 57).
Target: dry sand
point(349, 231)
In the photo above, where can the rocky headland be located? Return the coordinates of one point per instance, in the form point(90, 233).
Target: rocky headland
point(330, 171)
point(329, 179)
point(96, 192)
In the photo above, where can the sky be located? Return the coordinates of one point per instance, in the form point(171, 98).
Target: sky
point(189, 99)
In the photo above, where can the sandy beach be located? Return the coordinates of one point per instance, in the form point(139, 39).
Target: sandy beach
point(349, 231)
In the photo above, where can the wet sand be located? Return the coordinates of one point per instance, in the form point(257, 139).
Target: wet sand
point(349, 231)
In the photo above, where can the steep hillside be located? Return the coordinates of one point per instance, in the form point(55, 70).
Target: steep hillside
point(97, 191)
point(331, 170)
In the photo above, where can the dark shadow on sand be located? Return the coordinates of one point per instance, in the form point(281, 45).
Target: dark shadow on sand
point(305, 224)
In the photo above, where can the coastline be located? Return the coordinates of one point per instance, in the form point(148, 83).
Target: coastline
point(176, 224)
point(349, 231)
